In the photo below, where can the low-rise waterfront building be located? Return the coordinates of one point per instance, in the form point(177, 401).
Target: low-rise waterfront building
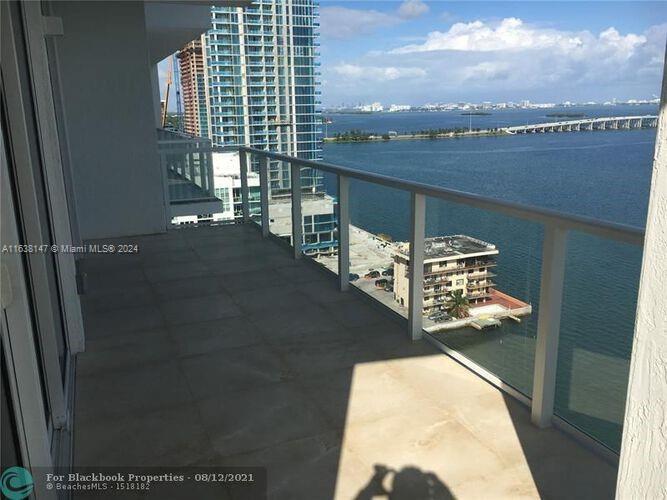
point(457, 262)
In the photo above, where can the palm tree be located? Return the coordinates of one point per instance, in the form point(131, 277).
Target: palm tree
point(457, 305)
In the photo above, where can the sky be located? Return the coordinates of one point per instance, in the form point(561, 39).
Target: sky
point(417, 52)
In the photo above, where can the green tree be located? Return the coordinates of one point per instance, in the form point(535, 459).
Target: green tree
point(457, 305)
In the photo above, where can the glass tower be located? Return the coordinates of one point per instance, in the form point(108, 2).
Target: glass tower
point(260, 64)
point(262, 90)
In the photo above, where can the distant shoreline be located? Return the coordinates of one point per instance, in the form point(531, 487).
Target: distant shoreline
point(407, 137)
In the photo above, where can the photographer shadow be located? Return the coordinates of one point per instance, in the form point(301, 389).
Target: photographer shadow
point(409, 483)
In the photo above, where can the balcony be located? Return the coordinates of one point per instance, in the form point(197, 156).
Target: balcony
point(187, 161)
point(225, 350)
point(246, 343)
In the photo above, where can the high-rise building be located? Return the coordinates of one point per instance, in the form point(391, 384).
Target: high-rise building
point(193, 89)
point(261, 89)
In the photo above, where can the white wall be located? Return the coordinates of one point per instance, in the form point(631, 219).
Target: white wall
point(643, 461)
point(108, 95)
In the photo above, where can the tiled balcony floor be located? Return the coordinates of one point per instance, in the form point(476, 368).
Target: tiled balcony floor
point(213, 347)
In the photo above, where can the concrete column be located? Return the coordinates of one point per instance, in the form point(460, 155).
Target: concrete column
point(416, 270)
point(155, 84)
point(643, 459)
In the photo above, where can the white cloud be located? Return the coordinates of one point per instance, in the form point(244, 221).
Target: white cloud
point(344, 22)
point(341, 22)
point(486, 71)
point(508, 58)
point(378, 73)
point(512, 34)
point(411, 9)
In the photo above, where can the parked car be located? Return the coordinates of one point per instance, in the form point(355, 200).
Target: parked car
point(381, 283)
point(388, 272)
point(372, 274)
point(439, 316)
point(354, 277)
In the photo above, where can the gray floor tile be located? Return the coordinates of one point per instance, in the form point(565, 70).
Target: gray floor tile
point(221, 250)
point(355, 313)
point(221, 265)
point(131, 392)
point(231, 370)
point(168, 437)
point(209, 336)
point(168, 257)
point(326, 292)
point(259, 417)
point(252, 280)
point(304, 272)
point(276, 298)
point(196, 286)
point(179, 271)
point(325, 355)
point(282, 324)
point(197, 309)
point(124, 296)
point(114, 278)
point(122, 320)
point(304, 468)
point(125, 352)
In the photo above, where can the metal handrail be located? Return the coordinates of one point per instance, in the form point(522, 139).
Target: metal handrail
point(605, 229)
point(611, 230)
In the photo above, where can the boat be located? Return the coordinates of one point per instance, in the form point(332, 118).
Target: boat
point(482, 323)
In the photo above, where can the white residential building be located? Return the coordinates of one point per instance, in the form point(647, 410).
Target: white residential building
point(399, 107)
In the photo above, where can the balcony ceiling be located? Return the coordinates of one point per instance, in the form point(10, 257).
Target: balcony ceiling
point(172, 24)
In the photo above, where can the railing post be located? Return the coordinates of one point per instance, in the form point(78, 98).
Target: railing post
point(416, 269)
point(548, 325)
point(264, 193)
point(343, 233)
point(297, 224)
point(165, 186)
point(210, 174)
point(245, 192)
point(191, 167)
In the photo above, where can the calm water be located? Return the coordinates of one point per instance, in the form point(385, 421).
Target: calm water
point(605, 175)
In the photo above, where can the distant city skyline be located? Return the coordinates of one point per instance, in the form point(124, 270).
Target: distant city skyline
point(376, 105)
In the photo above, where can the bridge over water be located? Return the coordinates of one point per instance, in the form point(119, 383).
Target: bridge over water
point(604, 123)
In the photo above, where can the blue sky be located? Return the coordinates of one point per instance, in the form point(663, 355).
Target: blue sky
point(415, 51)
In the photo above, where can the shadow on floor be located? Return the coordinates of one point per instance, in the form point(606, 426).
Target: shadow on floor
point(214, 348)
point(409, 483)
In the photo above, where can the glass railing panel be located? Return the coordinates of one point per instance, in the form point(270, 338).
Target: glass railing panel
point(481, 287)
point(596, 330)
point(379, 220)
point(280, 200)
point(319, 211)
point(189, 173)
point(254, 191)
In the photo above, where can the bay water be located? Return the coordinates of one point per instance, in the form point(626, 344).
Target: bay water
point(599, 174)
